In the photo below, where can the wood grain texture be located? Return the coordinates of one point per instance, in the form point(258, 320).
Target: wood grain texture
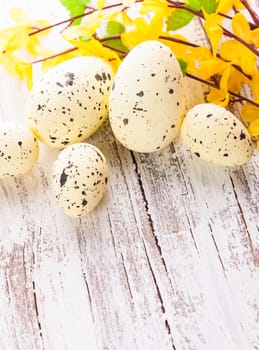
point(168, 260)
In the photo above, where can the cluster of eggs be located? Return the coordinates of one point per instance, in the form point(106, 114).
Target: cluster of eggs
point(145, 104)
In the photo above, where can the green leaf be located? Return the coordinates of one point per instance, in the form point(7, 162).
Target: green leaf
point(210, 6)
point(194, 5)
point(183, 65)
point(75, 8)
point(116, 44)
point(114, 28)
point(85, 37)
point(178, 19)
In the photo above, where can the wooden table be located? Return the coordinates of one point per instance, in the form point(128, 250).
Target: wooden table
point(168, 260)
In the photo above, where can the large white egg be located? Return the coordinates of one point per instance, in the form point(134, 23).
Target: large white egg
point(19, 150)
point(216, 135)
point(80, 175)
point(70, 102)
point(146, 100)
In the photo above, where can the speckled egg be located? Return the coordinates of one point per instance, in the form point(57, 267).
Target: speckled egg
point(216, 135)
point(19, 150)
point(70, 102)
point(80, 175)
point(146, 100)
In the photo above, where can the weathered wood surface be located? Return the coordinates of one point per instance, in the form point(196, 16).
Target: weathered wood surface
point(168, 260)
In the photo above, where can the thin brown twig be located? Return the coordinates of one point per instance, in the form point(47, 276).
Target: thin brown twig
point(114, 48)
point(207, 82)
point(182, 6)
point(252, 13)
point(179, 41)
point(243, 42)
point(112, 37)
point(71, 19)
point(179, 5)
point(212, 84)
point(176, 40)
point(56, 55)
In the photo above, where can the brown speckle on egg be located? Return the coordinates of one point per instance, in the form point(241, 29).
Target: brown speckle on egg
point(219, 142)
point(82, 170)
point(52, 111)
point(19, 156)
point(155, 104)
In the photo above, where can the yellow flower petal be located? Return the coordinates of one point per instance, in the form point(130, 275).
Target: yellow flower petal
point(249, 112)
point(207, 68)
point(255, 86)
point(119, 16)
point(100, 4)
point(143, 31)
point(93, 47)
point(159, 7)
point(241, 27)
point(39, 24)
point(179, 49)
point(214, 31)
point(88, 28)
point(225, 5)
point(254, 128)
point(19, 16)
point(236, 80)
point(238, 54)
point(24, 70)
point(8, 60)
point(52, 62)
point(14, 38)
point(255, 37)
point(224, 79)
point(218, 97)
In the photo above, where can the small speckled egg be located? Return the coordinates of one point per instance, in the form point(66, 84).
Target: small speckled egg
point(216, 135)
point(19, 150)
point(146, 100)
point(70, 102)
point(79, 175)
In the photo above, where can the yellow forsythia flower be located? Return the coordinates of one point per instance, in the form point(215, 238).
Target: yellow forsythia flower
point(88, 28)
point(249, 112)
point(159, 7)
point(221, 96)
point(236, 80)
point(255, 37)
point(142, 31)
point(241, 27)
point(254, 128)
point(240, 55)
point(255, 86)
point(52, 62)
point(24, 70)
point(213, 29)
point(119, 16)
point(9, 60)
point(208, 67)
point(226, 5)
point(218, 97)
point(100, 4)
point(94, 48)
point(24, 25)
